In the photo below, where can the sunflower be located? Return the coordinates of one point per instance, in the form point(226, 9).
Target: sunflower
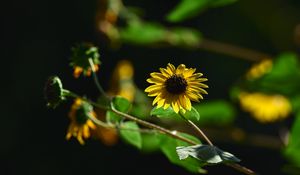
point(80, 125)
point(265, 108)
point(176, 87)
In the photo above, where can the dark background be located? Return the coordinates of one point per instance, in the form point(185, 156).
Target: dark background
point(36, 40)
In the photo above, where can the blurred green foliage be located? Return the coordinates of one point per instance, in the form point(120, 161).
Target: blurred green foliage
point(131, 134)
point(292, 151)
point(190, 8)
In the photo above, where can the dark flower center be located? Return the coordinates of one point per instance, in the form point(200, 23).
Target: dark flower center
point(82, 113)
point(176, 84)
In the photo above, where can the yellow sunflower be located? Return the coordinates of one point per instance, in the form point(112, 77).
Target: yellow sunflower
point(176, 87)
point(80, 125)
point(265, 108)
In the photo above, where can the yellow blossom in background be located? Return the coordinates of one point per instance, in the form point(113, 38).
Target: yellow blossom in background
point(122, 81)
point(80, 125)
point(176, 87)
point(265, 108)
point(108, 136)
point(259, 69)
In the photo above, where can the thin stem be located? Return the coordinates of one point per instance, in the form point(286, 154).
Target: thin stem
point(105, 125)
point(72, 94)
point(99, 87)
point(153, 126)
point(232, 50)
point(197, 129)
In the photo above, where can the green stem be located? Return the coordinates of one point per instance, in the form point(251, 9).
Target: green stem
point(197, 129)
point(99, 87)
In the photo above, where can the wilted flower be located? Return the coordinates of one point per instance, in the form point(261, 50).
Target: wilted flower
point(81, 54)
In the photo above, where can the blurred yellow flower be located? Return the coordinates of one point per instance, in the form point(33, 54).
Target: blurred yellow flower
point(265, 108)
point(259, 69)
point(176, 87)
point(80, 125)
point(108, 136)
point(122, 81)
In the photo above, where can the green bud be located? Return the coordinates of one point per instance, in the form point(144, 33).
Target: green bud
point(53, 92)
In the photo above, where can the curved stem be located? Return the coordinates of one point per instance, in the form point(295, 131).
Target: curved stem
point(197, 129)
point(99, 87)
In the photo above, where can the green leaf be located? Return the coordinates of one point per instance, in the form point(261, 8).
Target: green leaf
point(217, 112)
point(295, 101)
point(161, 112)
point(285, 71)
point(292, 151)
point(184, 37)
point(151, 142)
point(192, 114)
point(121, 104)
point(129, 132)
point(143, 33)
point(168, 147)
point(190, 8)
point(141, 106)
point(205, 153)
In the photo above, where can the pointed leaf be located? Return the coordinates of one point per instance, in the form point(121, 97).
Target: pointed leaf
point(192, 114)
point(190, 8)
point(121, 104)
point(161, 112)
point(130, 133)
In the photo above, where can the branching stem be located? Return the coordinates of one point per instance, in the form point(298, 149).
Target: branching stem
point(158, 128)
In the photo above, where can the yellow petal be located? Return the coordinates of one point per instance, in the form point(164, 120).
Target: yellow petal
point(155, 80)
point(172, 67)
point(158, 75)
point(180, 69)
point(167, 105)
point(189, 72)
point(160, 103)
point(175, 107)
point(153, 88)
point(156, 100)
point(188, 103)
